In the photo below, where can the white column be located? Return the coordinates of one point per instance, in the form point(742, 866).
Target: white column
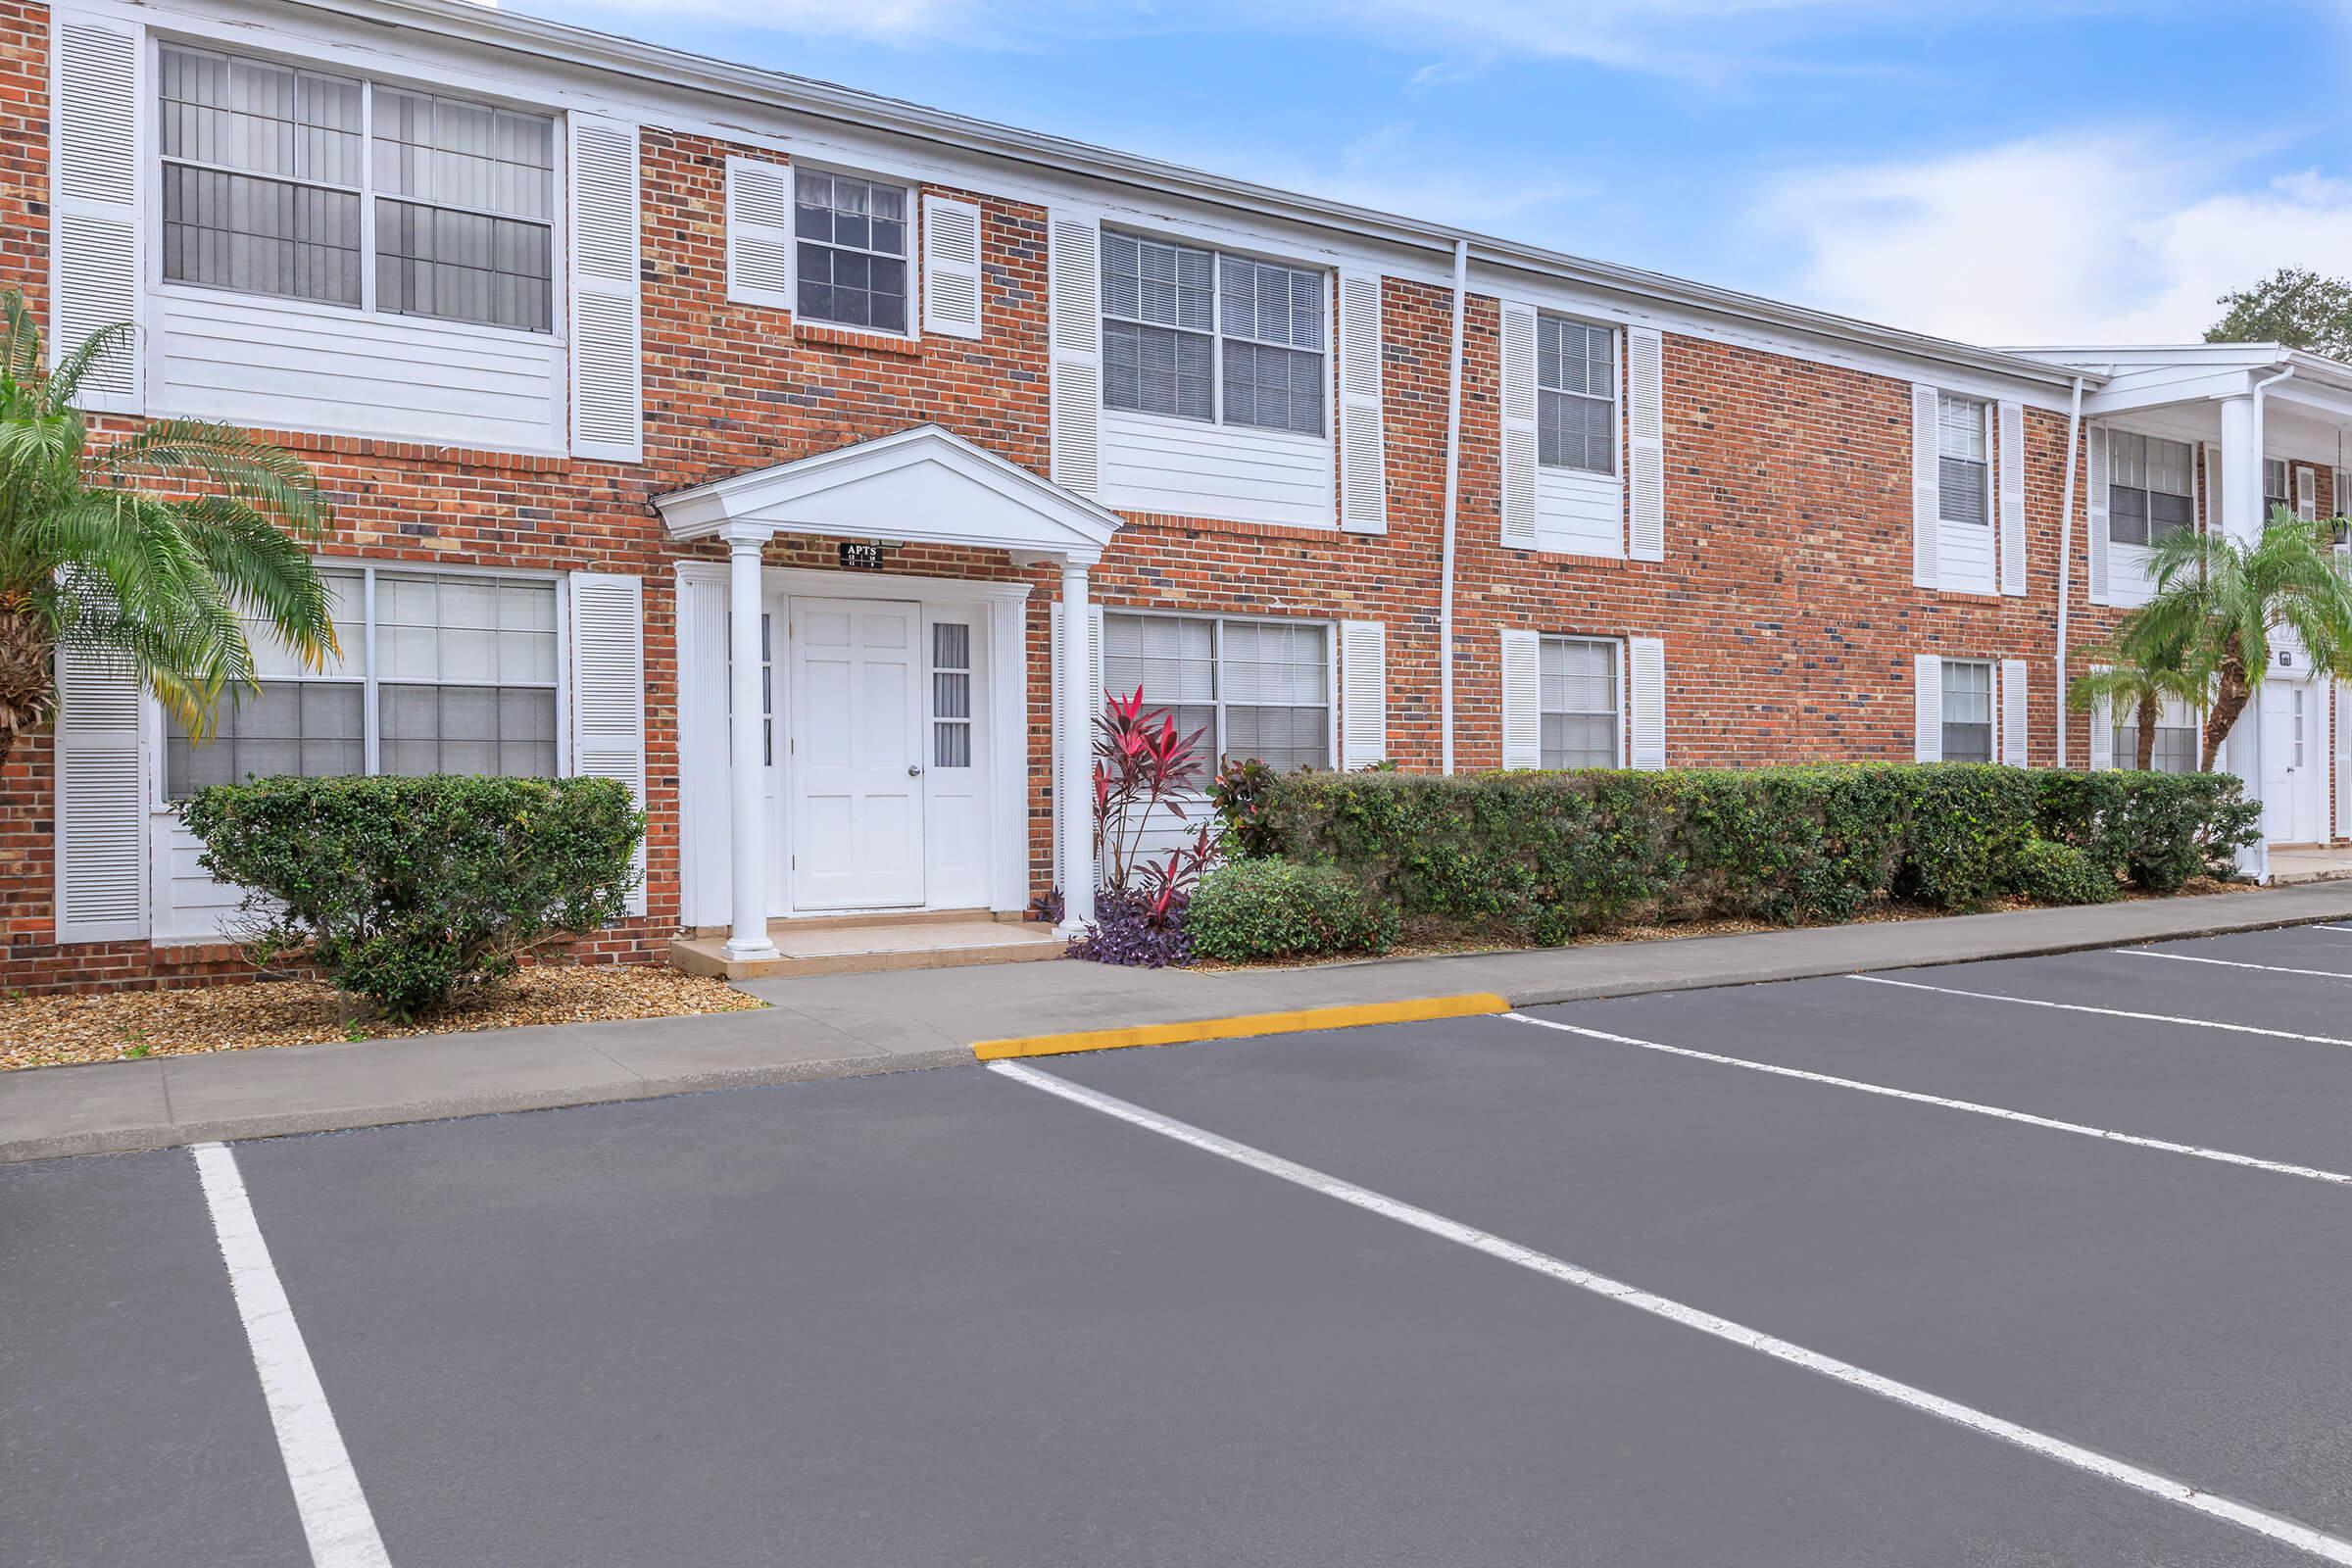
point(747, 770)
point(1077, 752)
point(2242, 519)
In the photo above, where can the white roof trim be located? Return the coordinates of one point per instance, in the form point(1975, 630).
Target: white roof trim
point(922, 485)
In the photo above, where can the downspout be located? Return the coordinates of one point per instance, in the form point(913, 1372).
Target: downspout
point(2066, 552)
point(1454, 486)
point(2260, 855)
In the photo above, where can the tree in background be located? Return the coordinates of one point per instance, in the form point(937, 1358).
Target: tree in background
point(2295, 306)
point(152, 548)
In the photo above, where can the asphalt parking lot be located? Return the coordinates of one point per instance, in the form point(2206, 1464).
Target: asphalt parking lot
point(2036, 1261)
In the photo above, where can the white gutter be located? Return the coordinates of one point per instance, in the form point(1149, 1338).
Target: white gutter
point(1454, 488)
point(2066, 552)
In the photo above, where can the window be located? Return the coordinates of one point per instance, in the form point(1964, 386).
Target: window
point(768, 688)
point(950, 695)
point(1963, 494)
point(1576, 395)
point(1196, 334)
point(455, 674)
point(2147, 488)
point(265, 182)
point(1578, 703)
point(1967, 712)
point(851, 239)
point(1259, 689)
point(2176, 738)
point(2275, 492)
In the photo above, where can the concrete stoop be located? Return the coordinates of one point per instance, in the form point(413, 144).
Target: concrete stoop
point(869, 944)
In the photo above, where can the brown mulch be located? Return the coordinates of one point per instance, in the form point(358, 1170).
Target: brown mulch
point(1429, 943)
point(49, 1031)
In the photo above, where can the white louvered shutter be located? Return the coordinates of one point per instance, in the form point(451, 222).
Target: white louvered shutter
point(2094, 480)
point(1074, 295)
point(2015, 715)
point(2102, 729)
point(1364, 459)
point(1647, 697)
point(607, 404)
point(2213, 489)
point(1645, 450)
point(1927, 488)
point(760, 233)
point(2012, 458)
point(94, 258)
point(1926, 708)
point(607, 688)
point(951, 267)
point(1364, 693)
point(1519, 448)
point(2307, 492)
point(1522, 700)
point(101, 801)
point(706, 829)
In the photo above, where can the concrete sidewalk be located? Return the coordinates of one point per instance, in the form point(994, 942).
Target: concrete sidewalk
point(833, 1026)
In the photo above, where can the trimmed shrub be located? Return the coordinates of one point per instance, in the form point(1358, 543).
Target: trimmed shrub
point(1543, 856)
point(2050, 872)
point(406, 890)
point(1266, 909)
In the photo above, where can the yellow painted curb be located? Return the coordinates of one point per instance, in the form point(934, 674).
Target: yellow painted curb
point(1349, 1016)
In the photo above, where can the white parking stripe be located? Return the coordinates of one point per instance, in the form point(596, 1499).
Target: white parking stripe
point(335, 1517)
point(2230, 964)
point(2105, 1013)
point(2275, 1527)
point(2322, 928)
point(2027, 1118)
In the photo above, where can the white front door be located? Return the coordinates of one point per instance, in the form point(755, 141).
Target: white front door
point(2294, 763)
point(855, 763)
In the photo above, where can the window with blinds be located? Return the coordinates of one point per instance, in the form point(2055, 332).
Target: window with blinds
point(2149, 488)
point(951, 694)
point(267, 171)
point(1576, 395)
point(1578, 703)
point(850, 238)
point(1259, 688)
point(1224, 339)
point(1966, 711)
point(2274, 489)
point(1964, 491)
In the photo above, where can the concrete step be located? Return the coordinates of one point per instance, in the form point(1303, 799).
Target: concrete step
point(866, 947)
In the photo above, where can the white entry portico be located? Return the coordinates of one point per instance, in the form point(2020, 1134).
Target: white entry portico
point(885, 714)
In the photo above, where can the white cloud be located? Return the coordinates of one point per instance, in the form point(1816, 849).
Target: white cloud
point(2114, 237)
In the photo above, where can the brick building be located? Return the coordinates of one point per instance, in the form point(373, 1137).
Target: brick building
point(677, 413)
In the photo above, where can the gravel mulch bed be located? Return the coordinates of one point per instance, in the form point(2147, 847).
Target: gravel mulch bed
point(51, 1031)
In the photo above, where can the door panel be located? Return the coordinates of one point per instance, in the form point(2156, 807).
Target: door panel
point(2294, 763)
point(857, 837)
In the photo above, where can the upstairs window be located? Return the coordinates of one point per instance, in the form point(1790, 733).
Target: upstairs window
point(1963, 493)
point(850, 237)
point(2148, 493)
point(1576, 395)
point(267, 171)
point(2275, 491)
point(1196, 334)
point(1966, 711)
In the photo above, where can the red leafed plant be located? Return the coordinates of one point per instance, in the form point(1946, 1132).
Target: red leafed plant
point(1147, 776)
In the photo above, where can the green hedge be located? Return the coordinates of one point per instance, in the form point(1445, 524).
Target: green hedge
point(404, 890)
point(1547, 855)
point(1267, 908)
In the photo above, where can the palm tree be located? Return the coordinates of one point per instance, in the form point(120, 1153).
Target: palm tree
point(2219, 600)
point(2138, 675)
point(152, 548)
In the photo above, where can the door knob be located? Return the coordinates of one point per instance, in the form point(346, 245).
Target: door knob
point(913, 768)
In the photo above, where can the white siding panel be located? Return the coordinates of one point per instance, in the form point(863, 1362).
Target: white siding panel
point(1580, 513)
point(2131, 578)
point(1194, 469)
point(190, 905)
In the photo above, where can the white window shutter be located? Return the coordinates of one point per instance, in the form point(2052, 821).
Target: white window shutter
point(1364, 693)
point(951, 267)
point(607, 688)
point(1364, 459)
point(1519, 448)
point(1926, 487)
point(101, 801)
point(1522, 700)
point(706, 833)
point(1926, 708)
point(94, 256)
point(1646, 690)
point(760, 233)
point(2102, 729)
point(608, 418)
point(2016, 717)
point(1645, 451)
point(2094, 481)
point(1074, 293)
point(2011, 455)
point(2307, 492)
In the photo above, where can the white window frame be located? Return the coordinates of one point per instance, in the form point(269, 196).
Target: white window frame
point(372, 682)
point(1617, 369)
point(1618, 677)
point(1328, 351)
point(1985, 412)
point(914, 194)
point(1331, 666)
point(2285, 495)
point(1992, 705)
point(2189, 474)
point(2124, 718)
point(151, 155)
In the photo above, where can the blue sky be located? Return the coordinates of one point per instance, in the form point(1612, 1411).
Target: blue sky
point(1997, 171)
